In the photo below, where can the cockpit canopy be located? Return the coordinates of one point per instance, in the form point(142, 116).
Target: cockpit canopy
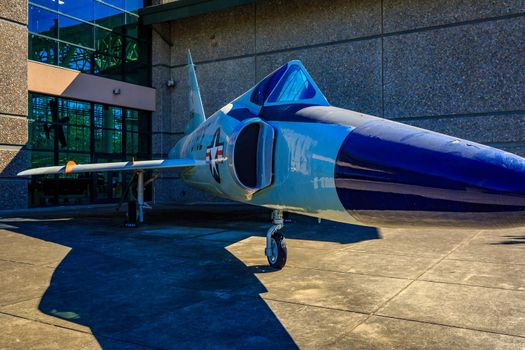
point(290, 84)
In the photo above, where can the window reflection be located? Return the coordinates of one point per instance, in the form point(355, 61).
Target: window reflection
point(61, 130)
point(43, 22)
point(97, 37)
point(42, 49)
point(75, 57)
point(75, 32)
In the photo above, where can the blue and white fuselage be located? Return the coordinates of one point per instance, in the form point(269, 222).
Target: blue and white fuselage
point(282, 146)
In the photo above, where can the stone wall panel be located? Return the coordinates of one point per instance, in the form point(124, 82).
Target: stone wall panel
point(402, 15)
point(457, 70)
point(284, 24)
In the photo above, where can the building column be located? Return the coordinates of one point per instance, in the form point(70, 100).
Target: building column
point(13, 104)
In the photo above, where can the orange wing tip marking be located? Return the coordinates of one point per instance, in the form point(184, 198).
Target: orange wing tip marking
point(69, 166)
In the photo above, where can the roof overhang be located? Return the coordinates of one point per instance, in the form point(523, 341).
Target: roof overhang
point(185, 8)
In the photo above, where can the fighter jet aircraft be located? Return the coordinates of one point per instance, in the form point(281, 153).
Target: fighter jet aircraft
point(281, 145)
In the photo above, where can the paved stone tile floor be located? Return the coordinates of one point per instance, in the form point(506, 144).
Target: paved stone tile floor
point(197, 278)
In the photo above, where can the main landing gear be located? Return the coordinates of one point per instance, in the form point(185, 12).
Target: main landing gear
point(276, 251)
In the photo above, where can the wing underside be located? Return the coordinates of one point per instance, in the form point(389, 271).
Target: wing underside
point(72, 168)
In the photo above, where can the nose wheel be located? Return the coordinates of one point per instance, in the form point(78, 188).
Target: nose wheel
point(276, 250)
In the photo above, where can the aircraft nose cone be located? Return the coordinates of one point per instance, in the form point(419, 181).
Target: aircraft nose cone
point(397, 146)
point(387, 166)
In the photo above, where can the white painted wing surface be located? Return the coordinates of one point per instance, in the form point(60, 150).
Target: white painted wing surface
point(72, 168)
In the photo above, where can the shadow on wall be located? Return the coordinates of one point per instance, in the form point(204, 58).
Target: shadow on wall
point(161, 286)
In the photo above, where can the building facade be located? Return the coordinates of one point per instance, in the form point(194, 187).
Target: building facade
point(88, 80)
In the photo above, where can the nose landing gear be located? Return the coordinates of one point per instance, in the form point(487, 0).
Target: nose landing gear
point(276, 250)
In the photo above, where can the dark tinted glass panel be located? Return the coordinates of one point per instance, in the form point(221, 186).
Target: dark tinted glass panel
point(132, 143)
point(109, 186)
point(109, 17)
point(42, 158)
point(42, 21)
point(42, 49)
point(132, 120)
point(108, 66)
point(108, 42)
point(137, 73)
point(75, 32)
point(132, 50)
point(78, 122)
point(41, 136)
point(75, 57)
point(108, 117)
point(131, 19)
point(132, 30)
point(73, 126)
point(77, 138)
point(73, 189)
point(82, 9)
point(108, 141)
point(40, 108)
point(77, 112)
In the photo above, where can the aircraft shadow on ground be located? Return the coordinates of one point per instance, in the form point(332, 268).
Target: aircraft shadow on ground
point(167, 292)
point(511, 240)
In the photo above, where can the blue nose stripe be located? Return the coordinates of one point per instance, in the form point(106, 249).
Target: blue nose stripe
point(384, 165)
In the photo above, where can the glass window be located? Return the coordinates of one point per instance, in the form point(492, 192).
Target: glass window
point(294, 86)
point(132, 49)
point(132, 30)
point(42, 22)
point(42, 49)
point(41, 136)
point(42, 158)
point(73, 189)
point(265, 87)
point(77, 138)
point(75, 32)
point(132, 120)
point(40, 108)
point(75, 57)
point(117, 3)
point(77, 112)
point(108, 42)
point(82, 9)
point(108, 66)
point(136, 73)
point(61, 130)
point(109, 17)
point(132, 143)
point(108, 117)
point(108, 141)
point(133, 5)
point(50, 4)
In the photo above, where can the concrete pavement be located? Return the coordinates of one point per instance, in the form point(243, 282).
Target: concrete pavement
point(198, 279)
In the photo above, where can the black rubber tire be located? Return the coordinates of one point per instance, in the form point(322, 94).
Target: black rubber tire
point(282, 251)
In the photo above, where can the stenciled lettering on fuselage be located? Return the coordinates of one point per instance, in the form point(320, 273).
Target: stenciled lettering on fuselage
point(214, 155)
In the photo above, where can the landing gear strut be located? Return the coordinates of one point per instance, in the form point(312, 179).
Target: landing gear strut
point(276, 250)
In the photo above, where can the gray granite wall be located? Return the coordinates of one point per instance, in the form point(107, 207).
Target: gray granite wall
point(453, 66)
point(13, 103)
